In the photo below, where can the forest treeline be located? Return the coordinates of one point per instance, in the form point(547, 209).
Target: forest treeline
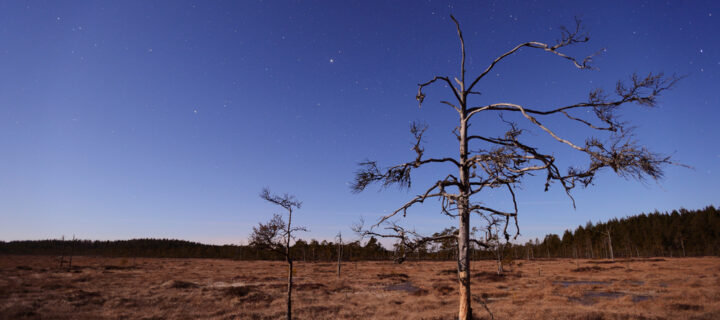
point(677, 233)
point(171, 248)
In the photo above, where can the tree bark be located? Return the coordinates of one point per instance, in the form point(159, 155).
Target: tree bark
point(463, 259)
point(465, 309)
point(340, 252)
point(289, 290)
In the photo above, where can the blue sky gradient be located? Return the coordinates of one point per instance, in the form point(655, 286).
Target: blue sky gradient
point(164, 119)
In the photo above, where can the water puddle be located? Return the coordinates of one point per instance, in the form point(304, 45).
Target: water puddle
point(581, 282)
point(590, 297)
point(403, 286)
point(640, 298)
point(223, 285)
point(601, 294)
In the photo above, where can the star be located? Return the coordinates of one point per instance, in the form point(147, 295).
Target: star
point(332, 60)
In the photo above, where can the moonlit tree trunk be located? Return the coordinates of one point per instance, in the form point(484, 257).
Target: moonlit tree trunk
point(463, 243)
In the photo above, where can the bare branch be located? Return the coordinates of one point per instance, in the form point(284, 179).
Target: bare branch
point(440, 185)
point(286, 201)
point(421, 96)
point(643, 91)
point(568, 38)
point(399, 174)
point(462, 48)
point(409, 239)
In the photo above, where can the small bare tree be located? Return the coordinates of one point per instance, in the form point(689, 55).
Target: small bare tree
point(276, 235)
point(62, 251)
point(72, 252)
point(492, 239)
point(339, 251)
point(502, 161)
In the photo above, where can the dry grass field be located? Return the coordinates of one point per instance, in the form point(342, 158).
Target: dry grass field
point(104, 288)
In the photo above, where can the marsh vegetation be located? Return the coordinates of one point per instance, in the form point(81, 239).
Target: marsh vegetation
point(34, 287)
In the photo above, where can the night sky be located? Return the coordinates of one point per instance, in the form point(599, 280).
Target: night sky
point(128, 119)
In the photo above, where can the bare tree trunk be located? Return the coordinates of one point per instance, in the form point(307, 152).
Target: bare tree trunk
point(499, 254)
point(72, 251)
point(574, 251)
point(289, 291)
point(340, 252)
point(463, 259)
point(290, 265)
point(612, 256)
point(682, 245)
point(62, 251)
point(338, 264)
point(575, 256)
point(465, 309)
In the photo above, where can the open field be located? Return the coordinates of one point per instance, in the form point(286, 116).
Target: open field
point(34, 287)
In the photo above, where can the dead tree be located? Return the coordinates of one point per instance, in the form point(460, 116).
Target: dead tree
point(682, 245)
point(72, 252)
point(62, 251)
point(276, 235)
point(502, 161)
point(493, 241)
point(612, 256)
point(339, 251)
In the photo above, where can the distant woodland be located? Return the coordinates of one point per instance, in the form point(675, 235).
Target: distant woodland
point(669, 234)
point(678, 233)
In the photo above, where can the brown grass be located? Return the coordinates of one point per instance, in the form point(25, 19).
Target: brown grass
point(102, 288)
